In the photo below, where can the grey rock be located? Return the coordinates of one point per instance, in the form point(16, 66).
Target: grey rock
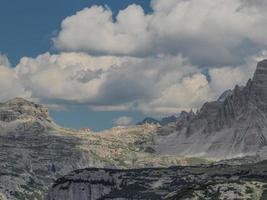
point(202, 182)
point(34, 151)
point(20, 108)
point(233, 126)
point(260, 81)
point(224, 95)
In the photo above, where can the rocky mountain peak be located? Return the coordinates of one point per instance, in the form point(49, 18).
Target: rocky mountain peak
point(260, 80)
point(224, 95)
point(19, 108)
point(232, 126)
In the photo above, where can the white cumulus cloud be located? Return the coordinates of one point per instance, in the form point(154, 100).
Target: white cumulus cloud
point(154, 85)
point(10, 86)
point(208, 32)
point(174, 58)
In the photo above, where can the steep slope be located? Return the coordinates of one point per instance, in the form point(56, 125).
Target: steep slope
point(235, 125)
point(224, 95)
point(34, 151)
point(184, 183)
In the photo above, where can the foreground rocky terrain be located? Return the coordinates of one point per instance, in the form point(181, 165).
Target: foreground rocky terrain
point(213, 182)
point(34, 151)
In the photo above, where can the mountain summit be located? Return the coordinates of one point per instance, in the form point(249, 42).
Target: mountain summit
point(230, 127)
point(259, 83)
point(20, 108)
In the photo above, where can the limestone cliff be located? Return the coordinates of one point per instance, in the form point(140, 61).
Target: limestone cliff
point(34, 151)
point(209, 182)
point(233, 126)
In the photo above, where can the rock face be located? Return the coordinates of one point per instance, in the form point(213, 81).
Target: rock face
point(19, 108)
point(260, 80)
point(233, 126)
point(184, 183)
point(224, 95)
point(34, 151)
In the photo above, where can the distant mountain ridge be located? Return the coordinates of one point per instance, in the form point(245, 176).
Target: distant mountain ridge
point(149, 120)
point(164, 121)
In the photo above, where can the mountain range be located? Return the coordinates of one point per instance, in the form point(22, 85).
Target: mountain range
point(35, 151)
point(232, 126)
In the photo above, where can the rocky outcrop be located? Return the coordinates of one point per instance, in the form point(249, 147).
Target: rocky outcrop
point(259, 85)
point(203, 182)
point(20, 108)
point(233, 126)
point(34, 151)
point(224, 95)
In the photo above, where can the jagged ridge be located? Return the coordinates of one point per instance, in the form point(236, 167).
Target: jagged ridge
point(235, 126)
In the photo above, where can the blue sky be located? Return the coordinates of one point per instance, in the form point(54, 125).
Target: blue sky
point(103, 63)
point(26, 30)
point(28, 26)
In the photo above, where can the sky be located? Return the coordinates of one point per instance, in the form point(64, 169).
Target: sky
point(101, 63)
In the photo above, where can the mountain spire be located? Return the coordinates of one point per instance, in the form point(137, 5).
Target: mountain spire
point(260, 80)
